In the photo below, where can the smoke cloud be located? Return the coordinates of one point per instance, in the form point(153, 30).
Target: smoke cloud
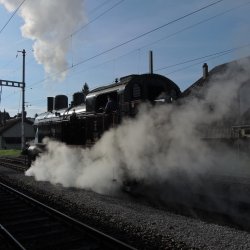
point(162, 141)
point(49, 24)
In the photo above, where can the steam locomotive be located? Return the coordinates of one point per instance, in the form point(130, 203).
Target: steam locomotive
point(84, 121)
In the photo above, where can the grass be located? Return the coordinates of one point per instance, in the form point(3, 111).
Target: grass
point(10, 152)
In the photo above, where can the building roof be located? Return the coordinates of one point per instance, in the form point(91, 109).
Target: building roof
point(220, 69)
point(11, 122)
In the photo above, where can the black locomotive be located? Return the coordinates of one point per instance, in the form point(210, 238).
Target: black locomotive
point(86, 119)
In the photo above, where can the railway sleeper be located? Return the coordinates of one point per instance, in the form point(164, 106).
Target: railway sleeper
point(23, 215)
point(33, 227)
point(73, 243)
point(12, 205)
point(54, 233)
point(16, 211)
point(45, 240)
point(25, 221)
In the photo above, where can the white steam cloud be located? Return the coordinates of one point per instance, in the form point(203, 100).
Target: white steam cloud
point(49, 24)
point(160, 141)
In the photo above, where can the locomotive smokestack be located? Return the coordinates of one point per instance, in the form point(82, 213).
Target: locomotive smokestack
point(50, 104)
point(205, 71)
point(150, 62)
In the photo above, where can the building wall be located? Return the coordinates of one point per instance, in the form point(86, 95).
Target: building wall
point(11, 138)
point(15, 131)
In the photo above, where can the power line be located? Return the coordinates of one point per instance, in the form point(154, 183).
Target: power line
point(223, 52)
point(99, 6)
point(213, 55)
point(130, 40)
point(12, 16)
point(143, 34)
point(178, 32)
point(139, 36)
point(93, 20)
point(75, 32)
point(212, 58)
point(196, 24)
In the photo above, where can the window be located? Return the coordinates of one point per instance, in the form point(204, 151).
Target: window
point(136, 91)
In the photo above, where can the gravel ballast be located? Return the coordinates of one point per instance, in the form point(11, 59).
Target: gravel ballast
point(131, 221)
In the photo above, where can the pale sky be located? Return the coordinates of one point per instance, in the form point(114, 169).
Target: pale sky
point(70, 42)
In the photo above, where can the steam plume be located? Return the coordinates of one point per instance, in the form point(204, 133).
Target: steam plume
point(161, 140)
point(48, 24)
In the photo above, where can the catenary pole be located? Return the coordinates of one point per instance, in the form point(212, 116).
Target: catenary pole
point(9, 83)
point(23, 101)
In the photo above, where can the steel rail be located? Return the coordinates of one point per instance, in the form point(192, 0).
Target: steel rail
point(13, 163)
point(95, 235)
point(11, 238)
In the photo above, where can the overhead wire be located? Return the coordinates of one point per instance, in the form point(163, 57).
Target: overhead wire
point(91, 21)
point(75, 32)
point(4, 26)
point(70, 36)
point(180, 31)
point(203, 57)
point(176, 33)
point(99, 6)
point(130, 40)
point(96, 18)
point(215, 54)
point(145, 33)
point(198, 23)
point(198, 63)
point(210, 56)
point(12, 16)
point(207, 57)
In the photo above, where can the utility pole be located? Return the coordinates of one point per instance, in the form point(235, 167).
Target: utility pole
point(15, 84)
point(23, 100)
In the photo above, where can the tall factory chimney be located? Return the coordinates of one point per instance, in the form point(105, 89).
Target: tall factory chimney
point(205, 71)
point(150, 62)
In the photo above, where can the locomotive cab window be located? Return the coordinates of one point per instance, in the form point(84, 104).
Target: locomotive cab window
point(101, 101)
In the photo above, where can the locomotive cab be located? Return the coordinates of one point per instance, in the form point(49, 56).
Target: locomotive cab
point(151, 88)
point(130, 91)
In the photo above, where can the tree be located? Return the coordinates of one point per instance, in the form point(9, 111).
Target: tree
point(85, 90)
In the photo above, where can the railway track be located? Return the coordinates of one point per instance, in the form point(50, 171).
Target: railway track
point(224, 201)
point(28, 224)
point(17, 163)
